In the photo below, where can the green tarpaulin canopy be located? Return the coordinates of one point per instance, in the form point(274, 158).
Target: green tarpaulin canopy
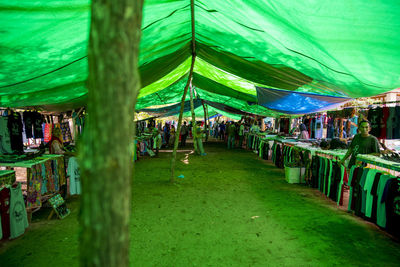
point(341, 48)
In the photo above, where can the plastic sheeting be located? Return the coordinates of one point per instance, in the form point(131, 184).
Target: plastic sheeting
point(341, 48)
point(226, 108)
point(213, 109)
point(172, 109)
point(297, 102)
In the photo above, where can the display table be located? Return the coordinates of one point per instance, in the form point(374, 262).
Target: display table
point(44, 176)
point(7, 177)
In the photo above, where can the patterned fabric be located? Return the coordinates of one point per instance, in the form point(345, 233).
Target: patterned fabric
point(7, 178)
point(66, 132)
point(44, 178)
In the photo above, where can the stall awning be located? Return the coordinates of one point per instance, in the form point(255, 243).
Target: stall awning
point(171, 110)
point(290, 102)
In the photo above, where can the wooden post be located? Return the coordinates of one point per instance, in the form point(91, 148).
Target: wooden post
point(173, 160)
point(178, 128)
point(205, 120)
point(194, 126)
point(208, 123)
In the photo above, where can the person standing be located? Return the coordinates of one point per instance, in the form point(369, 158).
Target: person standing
point(166, 131)
point(157, 140)
point(231, 130)
point(362, 143)
point(198, 138)
point(241, 134)
point(215, 128)
point(222, 131)
point(172, 137)
point(184, 134)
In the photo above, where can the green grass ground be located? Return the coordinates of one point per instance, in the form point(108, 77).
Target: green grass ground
point(231, 209)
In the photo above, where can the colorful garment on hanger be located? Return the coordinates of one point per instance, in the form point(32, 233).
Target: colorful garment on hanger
point(5, 211)
point(18, 216)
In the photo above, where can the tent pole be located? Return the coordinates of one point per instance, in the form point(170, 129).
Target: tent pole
point(173, 160)
point(194, 126)
point(205, 119)
point(208, 124)
point(178, 129)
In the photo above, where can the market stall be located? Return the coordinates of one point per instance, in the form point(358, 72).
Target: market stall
point(41, 177)
point(375, 191)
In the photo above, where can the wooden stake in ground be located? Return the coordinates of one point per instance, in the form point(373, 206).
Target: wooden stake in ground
point(107, 144)
point(194, 125)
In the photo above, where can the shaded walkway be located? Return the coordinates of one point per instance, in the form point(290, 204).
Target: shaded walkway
point(231, 209)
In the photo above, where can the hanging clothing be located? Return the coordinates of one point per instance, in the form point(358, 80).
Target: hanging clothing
point(15, 129)
point(396, 126)
point(47, 132)
point(5, 211)
point(390, 123)
point(318, 127)
point(28, 118)
point(74, 176)
point(37, 126)
point(66, 132)
point(375, 117)
point(381, 209)
point(353, 128)
point(384, 119)
point(18, 216)
point(392, 205)
point(5, 141)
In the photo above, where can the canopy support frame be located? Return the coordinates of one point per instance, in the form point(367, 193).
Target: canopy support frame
point(178, 130)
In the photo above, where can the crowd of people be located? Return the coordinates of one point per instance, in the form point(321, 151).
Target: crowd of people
point(233, 132)
point(229, 131)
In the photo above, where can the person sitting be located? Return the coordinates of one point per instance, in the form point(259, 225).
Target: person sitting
point(56, 144)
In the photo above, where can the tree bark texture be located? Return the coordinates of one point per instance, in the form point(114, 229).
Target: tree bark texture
point(107, 143)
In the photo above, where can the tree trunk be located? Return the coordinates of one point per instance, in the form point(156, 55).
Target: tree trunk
point(107, 143)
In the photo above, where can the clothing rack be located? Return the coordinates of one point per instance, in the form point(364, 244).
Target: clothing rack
point(386, 102)
point(368, 105)
point(390, 166)
point(334, 157)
